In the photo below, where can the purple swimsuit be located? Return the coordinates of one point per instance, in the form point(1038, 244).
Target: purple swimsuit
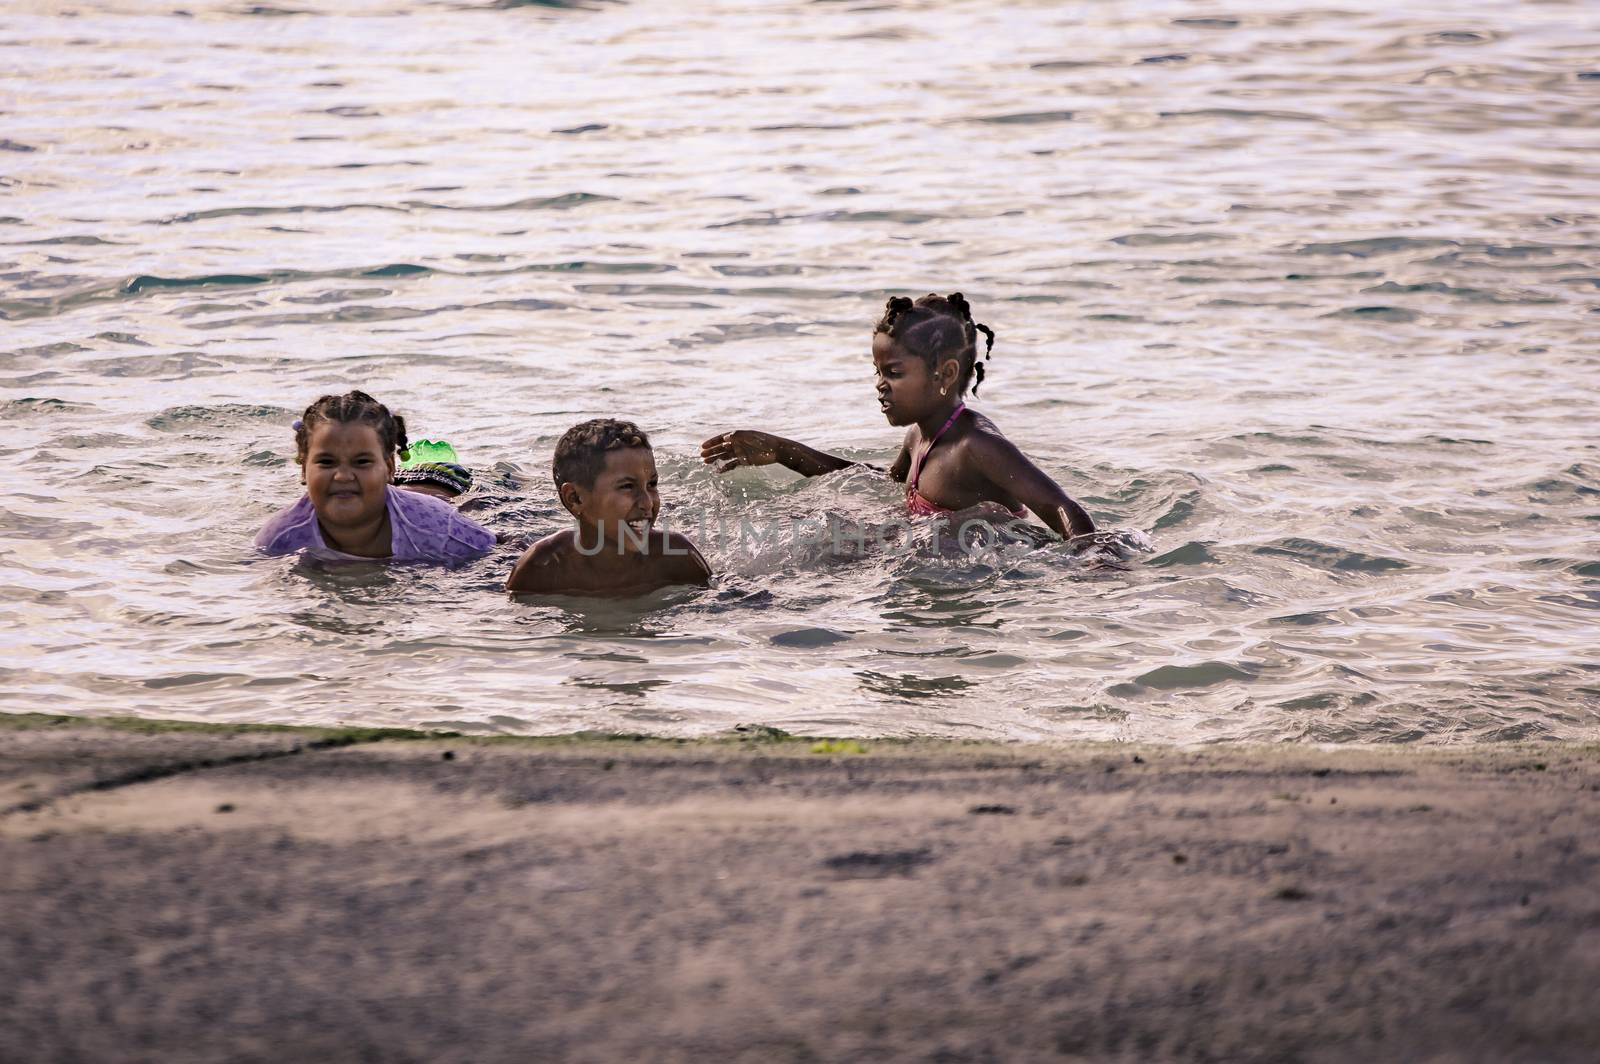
point(421, 529)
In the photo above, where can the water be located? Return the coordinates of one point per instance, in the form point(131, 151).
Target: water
point(1307, 294)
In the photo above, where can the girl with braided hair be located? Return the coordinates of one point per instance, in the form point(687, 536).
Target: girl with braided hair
point(953, 458)
point(346, 446)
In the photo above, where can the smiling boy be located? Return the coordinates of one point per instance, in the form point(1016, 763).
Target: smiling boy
point(605, 474)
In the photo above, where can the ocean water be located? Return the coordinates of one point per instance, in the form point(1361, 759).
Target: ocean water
point(1304, 296)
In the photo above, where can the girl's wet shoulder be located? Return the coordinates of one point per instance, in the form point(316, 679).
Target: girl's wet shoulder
point(981, 435)
point(981, 424)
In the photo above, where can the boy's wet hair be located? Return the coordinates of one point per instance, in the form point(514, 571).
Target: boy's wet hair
point(353, 407)
point(936, 328)
point(581, 451)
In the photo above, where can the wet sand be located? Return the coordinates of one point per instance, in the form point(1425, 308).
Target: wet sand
point(223, 894)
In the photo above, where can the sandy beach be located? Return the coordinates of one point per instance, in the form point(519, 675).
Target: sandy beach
point(183, 893)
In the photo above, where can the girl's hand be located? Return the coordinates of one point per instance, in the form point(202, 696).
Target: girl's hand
point(742, 447)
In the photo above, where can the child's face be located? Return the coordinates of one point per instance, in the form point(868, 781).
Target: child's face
point(624, 493)
point(345, 473)
point(908, 389)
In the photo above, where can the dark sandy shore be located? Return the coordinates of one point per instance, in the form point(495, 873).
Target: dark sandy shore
point(220, 895)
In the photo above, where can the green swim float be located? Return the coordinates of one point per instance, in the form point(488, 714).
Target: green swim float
point(424, 452)
point(433, 462)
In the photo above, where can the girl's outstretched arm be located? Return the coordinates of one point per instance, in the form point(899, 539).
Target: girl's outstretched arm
point(1010, 471)
point(747, 447)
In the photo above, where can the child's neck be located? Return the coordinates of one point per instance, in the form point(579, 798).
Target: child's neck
point(612, 553)
point(369, 540)
point(935, 420)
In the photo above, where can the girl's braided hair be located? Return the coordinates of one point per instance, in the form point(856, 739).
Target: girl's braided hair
point(935, 328)
point(351, 408)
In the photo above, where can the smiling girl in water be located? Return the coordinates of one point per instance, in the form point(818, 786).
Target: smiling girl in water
point(345, 446)
point(926, 354)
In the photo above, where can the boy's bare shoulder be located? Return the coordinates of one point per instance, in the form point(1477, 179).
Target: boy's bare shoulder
point(681, 560)
point(552, 548)
point(543, 564)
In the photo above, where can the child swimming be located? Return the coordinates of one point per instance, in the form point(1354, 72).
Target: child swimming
point(605, 474)
point(345, 446)
point(925, 354)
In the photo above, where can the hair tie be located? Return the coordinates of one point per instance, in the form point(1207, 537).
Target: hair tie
point(298, 425)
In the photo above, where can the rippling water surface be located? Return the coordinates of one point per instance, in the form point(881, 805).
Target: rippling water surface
point(1305, 293)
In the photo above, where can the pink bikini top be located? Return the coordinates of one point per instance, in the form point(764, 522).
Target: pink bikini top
point(918, 503)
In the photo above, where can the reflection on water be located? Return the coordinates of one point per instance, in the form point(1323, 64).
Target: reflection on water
point(1300, 299)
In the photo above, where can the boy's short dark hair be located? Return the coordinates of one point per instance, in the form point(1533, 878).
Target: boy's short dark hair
point(581, 451)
